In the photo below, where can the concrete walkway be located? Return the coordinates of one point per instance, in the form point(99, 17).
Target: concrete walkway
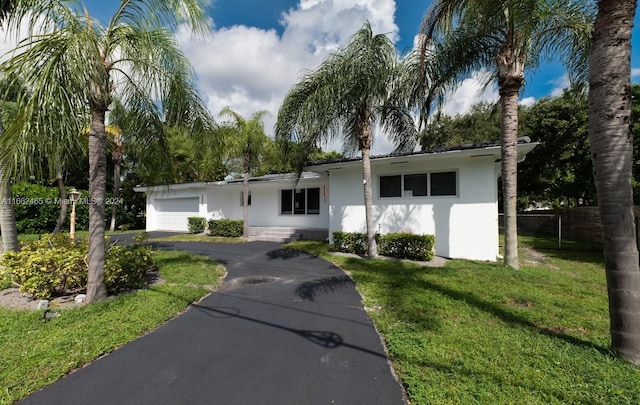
point(284, 328)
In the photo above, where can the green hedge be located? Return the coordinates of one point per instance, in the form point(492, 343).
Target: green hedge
point(227, 228)
point(196, 224)
point(54, 266)
point(350, 242)
point(407, 246)
point(401, 245)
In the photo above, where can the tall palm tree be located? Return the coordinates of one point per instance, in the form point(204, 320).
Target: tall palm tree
point(8, 227)
point(10, 91)
point(77, 66)
point(503, 38)
point(611, 142)
point(246, 140)
point(351, 92)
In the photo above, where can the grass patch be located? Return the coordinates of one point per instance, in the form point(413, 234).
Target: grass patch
point(475, 332)
point(40, 353)
point(196, 238)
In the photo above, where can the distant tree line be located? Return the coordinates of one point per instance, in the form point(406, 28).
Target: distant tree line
point(558, 172)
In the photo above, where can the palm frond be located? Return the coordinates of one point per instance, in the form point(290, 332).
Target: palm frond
point(342, 99)
point(168, 14)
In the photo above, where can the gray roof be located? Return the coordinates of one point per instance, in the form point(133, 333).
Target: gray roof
point(276, 177)
point(482, 145)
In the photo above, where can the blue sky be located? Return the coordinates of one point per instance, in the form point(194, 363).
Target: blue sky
point(259, 48)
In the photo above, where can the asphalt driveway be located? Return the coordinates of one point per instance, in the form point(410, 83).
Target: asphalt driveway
point(284, 328)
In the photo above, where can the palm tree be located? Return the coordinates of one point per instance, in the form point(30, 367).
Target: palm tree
point(351, 92)
point(78, 66)
point(612, 156)
point(503, 38)
point(247, 140)
point(8, 226)
point(10, 90)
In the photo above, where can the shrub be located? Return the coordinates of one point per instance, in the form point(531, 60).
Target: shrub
point(54, 265)
point(350, 242)
point(141, 237)
point(407, 246)
point(126, 267)
point(401, 245)
point(196, 224)
point(49, 266)
point(5, 279)
point(227, 228)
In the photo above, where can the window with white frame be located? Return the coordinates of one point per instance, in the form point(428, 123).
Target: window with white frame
point(300, 201)
point(432, 184)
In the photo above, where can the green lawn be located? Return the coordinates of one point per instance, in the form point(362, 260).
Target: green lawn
point(475, 332)
point(34, 354)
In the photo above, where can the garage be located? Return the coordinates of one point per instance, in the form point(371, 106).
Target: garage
point(172, 213)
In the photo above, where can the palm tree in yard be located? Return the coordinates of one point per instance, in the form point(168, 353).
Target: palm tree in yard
point(352, 91)
point(246, 140)
point(75, 65)
point(612, 155)
point(502, 38)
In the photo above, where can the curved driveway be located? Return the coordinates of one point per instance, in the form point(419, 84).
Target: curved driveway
point(284, 328)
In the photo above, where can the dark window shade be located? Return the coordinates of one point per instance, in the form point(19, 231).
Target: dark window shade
point(286, 201)
point(444, 184)
point(415, 185)
point(313, 201)
point(299, 202)
point(390, 186)
point(242, 198)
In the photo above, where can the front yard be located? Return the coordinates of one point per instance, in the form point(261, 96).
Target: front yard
point(35, 353)
point(475, 332)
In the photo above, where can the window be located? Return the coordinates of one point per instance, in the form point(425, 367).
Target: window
point(390, 186)
point(444, 184)
point(242, 198)
point(301, 201)
point(419, 185)
point(415, 185)
point(287, 202)
point(313, 201)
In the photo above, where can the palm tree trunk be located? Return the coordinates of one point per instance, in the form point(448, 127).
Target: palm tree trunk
point(8, 227)
point(7, 217)
point(509, 164)
point(372, 250)
point(116, 193)
point(96, 290)
point(245, 198)
point(611, 142)
point(62, 192)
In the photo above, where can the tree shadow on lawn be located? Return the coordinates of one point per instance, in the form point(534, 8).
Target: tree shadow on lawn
point(400, 280)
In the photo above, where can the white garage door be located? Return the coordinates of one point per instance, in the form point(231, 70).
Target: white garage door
point(172, 213)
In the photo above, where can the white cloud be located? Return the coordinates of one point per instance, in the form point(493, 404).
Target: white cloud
point(527, 101)
point(635, 73)
point(469, 92)
point(251, 69)
point(559, 85)
point(10, 40)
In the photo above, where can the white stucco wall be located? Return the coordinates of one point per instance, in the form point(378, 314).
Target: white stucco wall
point(264, 211)
point(465, 226)
point(160, 195)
